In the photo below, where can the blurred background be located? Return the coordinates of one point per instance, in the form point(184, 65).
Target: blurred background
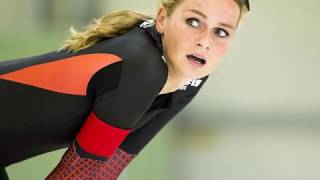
point(257, 117)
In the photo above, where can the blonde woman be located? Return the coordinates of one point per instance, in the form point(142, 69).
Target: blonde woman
point(108, 91)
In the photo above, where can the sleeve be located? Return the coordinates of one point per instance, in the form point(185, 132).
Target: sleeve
point(137, 140)
point(113, 116)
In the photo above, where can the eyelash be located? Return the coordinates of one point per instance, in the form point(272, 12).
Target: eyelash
point(189, 22)
point(220, 29)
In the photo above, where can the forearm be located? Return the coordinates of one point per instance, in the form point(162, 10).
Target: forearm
point(73, 166)
point(89, 154)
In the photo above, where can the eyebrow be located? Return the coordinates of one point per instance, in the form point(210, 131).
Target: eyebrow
point(205, 17)
point(227, 25)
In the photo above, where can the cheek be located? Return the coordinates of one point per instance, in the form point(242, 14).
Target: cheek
point(217, 55)
point(176, 43)
point(179, 34)
point(220, 50)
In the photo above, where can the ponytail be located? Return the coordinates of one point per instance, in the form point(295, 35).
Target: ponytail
point(110, 25)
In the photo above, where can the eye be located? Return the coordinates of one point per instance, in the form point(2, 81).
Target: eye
point(193, 22)
point(221, 32)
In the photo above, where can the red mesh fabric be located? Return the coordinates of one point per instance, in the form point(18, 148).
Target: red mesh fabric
point(73, 167)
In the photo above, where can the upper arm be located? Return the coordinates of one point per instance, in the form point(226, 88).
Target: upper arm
point(138, 85)
point(116, 110)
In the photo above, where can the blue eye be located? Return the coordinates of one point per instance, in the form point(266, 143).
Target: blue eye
point(221, 32)
point(193, 22)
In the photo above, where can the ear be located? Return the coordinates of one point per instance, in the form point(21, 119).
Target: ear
point(160, 19)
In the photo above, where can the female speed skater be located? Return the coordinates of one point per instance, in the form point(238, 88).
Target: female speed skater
point(110, 89)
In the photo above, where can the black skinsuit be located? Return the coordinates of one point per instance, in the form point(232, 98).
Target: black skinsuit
point(102, 102)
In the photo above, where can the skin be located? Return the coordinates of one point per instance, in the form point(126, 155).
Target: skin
point(187, 31)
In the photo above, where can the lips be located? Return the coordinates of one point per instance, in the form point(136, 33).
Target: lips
point(199, 59)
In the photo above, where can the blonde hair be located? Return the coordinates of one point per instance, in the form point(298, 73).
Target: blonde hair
point(117, 23)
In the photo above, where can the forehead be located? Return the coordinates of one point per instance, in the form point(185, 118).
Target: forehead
point(224, 10)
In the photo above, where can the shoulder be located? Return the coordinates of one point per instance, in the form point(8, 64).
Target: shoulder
point(145, 72)
point(138, 74)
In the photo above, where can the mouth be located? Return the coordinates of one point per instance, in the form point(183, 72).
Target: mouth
point(197, 60)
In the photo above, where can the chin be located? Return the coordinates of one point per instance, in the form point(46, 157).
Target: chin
point(199, 76)
point(190, 73)
point(194, 75)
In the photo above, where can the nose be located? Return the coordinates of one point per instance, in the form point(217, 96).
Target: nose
point(204, 41)
point(206, 47)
